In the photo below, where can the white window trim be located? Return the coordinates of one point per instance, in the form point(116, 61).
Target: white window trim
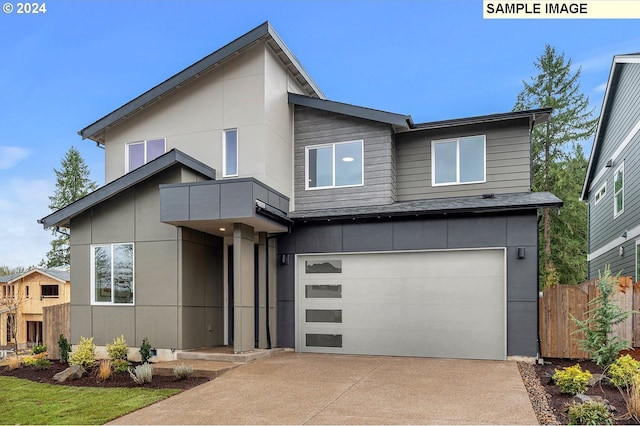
point(615, 194)
point(333, 165)
point(93, 275)
point(637, 260)
point(595, 197)
point(144, 142)
point(224, 152)
point(457, 140)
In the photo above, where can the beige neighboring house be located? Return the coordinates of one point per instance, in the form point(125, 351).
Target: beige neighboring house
point(31, 291)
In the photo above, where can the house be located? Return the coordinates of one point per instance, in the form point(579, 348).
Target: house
point(612, 183)
point(242, 207)
point(22, 298)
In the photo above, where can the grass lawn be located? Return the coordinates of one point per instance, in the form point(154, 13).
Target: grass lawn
point(27, 402)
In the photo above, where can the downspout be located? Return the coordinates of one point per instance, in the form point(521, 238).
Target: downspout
point(539, 348)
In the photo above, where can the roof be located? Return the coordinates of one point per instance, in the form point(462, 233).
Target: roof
point(474, 204)
point(57, 274)
point(63, 216)
point(262, 33)
point(536, 115)
point(618, 63)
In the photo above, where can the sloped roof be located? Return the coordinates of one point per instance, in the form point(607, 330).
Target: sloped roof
point(618, 63)
point(58, 274)
point(262, 33)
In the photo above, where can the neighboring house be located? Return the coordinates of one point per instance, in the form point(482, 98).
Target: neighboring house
point(612, 185)
point(22, 297)
point(241, 207)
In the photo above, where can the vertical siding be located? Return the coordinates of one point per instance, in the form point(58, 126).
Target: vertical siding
point(315, 127)
point(508, 159)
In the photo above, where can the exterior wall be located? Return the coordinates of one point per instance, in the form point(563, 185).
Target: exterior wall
point(248, 93)
point(508, 161)
point(174, 288)
point(604, 228)
point(437, 232)
point(315, 127)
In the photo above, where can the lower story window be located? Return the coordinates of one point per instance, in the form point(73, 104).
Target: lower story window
point(112, 274)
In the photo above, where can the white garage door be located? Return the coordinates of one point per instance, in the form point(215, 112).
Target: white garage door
point(449, 304)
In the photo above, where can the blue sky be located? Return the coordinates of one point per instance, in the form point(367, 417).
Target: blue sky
point(62, 70)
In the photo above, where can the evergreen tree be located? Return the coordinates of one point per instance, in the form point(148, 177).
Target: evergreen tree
point(72, 183)
point(559, 164)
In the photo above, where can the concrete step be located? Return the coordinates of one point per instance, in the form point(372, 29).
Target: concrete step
point(201, 368)
point(225, 354)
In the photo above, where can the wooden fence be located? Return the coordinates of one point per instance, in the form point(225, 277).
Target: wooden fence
point(55, 321)
point(559, 334)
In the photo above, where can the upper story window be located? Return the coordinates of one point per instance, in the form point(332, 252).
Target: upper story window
point(112, 274)
point(140, 153)
point(601, 193)
point(334, 165)
point(230, 153)
point(49, 290)
point(618, 191)
point(458, 161)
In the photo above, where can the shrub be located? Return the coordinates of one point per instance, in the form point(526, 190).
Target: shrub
point(590, 413)
point(104, 370)
point(84, 354)
point(622, 371)
point(118, 349)
point(142, 374)
point(633, 398)
point(572, 380)
point(13, 362)
point(183, 371)
point(39, 361)
point(120, 365)
point(145, 351)
point(64, 347)
point(38, 349)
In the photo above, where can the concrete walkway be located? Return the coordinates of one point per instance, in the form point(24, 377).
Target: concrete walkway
point(293, 388)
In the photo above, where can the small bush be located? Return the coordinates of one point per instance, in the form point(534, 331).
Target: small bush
point(104, 369)
point(142, 374)
point(64, 347)
point(145, 351)
point(39, 361)
point(590, 413)
point(572, 380)
point(38, 349)
point(183, 371)
point(118, 349)
point(622, 371)
point(633, 398)
point(84, 354)
point(120, 365)
point(13, 362)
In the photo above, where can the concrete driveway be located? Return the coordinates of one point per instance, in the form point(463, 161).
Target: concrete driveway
point(294, 388)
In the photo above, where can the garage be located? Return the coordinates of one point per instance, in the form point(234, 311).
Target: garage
point(444, 303)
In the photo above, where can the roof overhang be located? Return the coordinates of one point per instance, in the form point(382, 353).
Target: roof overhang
point(262, 33)
point(33, 271)
point(535, 116)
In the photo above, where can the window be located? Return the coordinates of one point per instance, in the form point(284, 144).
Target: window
point(458, 161)
point(637, 260)
point(49, 290)
point(230, 153)
point(27, 290)
point(335, 165)
point(140, 153)
point(112, 274)
point(601, 193)
point(618, 191)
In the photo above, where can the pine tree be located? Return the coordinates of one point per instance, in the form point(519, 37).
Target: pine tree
point(72, 183)
point(559, 164)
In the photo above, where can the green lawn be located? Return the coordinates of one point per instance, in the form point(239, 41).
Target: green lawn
point(26, 402)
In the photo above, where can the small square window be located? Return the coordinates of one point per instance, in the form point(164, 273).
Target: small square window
point(335, 165)
point(140, 153)
point(49, 290)
point(458, 161)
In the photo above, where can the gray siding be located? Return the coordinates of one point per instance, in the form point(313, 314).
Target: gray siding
point(508, 166)
point(441, 232)
point(315, 127)
point(603, 227)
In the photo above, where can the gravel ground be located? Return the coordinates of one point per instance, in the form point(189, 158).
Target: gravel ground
point(537, 395)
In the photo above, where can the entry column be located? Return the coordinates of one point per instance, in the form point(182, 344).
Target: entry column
point(243, 288)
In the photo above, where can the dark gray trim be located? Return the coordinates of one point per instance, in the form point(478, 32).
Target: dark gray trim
point(535, 115)
point(258, 34)
point(63, 216)
point(402, 121)
point(475, 204)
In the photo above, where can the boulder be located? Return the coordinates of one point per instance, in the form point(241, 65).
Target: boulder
point(596, 378)
point(72, 373)
point(580, 398)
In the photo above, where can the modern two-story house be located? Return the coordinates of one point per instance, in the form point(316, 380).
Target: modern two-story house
point(612, 184)
point(242, 207)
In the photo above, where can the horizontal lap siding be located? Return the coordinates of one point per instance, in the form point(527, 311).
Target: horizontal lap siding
point(315, 127)
point(508, 167)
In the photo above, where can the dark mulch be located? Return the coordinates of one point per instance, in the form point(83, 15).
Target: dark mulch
point(608, 391)
point(122, 380)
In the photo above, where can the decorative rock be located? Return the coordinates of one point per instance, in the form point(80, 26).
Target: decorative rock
point(72, 373)
point(580, 398)
point(596, 378)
